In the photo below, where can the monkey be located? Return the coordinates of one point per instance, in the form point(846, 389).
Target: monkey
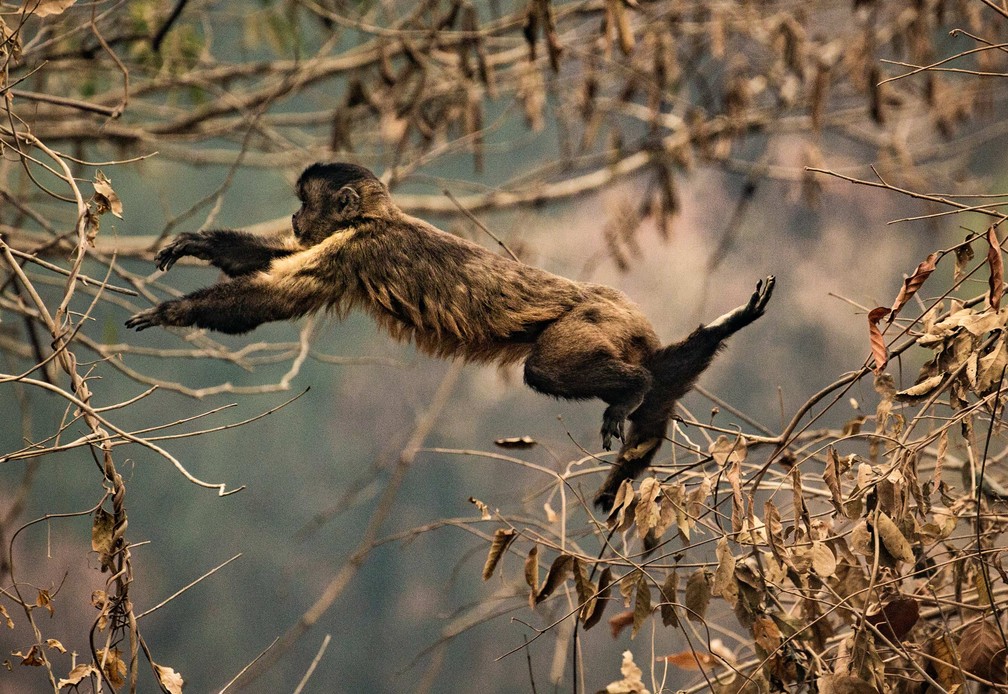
point(353, 248)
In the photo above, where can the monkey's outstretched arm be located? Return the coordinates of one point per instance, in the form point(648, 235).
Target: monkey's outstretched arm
point(235, 252)
point(233, 306)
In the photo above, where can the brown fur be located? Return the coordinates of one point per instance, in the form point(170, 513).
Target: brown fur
point(352, 248)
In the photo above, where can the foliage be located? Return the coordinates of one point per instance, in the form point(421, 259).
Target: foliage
point(850, 559)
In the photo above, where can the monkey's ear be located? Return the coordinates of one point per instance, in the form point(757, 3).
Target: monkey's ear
point(348, 201)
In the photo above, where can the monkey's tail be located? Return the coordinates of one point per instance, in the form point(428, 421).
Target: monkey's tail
point(674, 370)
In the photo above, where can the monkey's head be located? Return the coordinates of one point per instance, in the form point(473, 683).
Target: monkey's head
point(335, 196)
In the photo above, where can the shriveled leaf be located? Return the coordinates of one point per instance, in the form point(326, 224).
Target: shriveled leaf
point(642, 605)
point(585, 589)
point(994, 261)
point(944, 657)
point(7, 617)
point(940, 458)
point(113, 665)
point(631, 682)
point(831, 476)
point(823, 561)
point(878, 346)
point(33, 658)
point(619, 622)
point(532, 569)
point(920, 390)
point(724, 576)
point(55, 645)
point(982, 652)
point(605, 586)
point(515, 442)
point(844, 684)
point(169, 679)
point(912, 283)
point(893, 540)
point(766, 634)
point(724, 450)
point(558, 572)
point(697, 498)
point(647, 514)
point(690, 661)
point(698, 594)
point(77, 675)
point(44, 599)
point(963, 255)
point(896, 618)
point(502, 538)
point(483, 508)
point(105, 197)
point(102, 538)
point(46, 8)
point(669, 590)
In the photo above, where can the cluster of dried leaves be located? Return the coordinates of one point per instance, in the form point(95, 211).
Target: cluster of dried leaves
point(851, 559)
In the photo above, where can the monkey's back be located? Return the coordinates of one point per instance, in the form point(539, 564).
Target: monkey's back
point(452, 297)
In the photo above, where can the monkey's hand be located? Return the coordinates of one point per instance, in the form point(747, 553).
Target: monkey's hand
point(761, 297)
point(186, 243)
point(146, 319)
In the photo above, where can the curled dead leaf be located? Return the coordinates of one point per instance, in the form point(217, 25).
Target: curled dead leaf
point(502, 538)
point(878, 346)
point(996, 264)
point(896, 618)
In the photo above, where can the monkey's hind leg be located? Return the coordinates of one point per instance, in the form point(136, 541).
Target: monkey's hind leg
point(576, 359)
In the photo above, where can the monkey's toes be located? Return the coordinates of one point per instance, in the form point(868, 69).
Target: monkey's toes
point(143, 320)
point(611, 426)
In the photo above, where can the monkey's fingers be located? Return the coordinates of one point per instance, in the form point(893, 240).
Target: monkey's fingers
point(761, 297)
point(184, 244)
point(144, 319)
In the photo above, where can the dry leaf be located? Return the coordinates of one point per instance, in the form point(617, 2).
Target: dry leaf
point(55, 645)
point(996, 280)
point(44, 599)
point(724, 576)
point(46, 8)
point(642, 605)
point(557, 574)
point(896, 618)
point(585, 589)
point(77, 675)
point(912, 283)
point(669, 590)
point(33, 658)
point(878, 345)
point(169, 679)
point(619, 622)
point(106, 198)
point(483, 508)
point(893, 540)
point(113, 665)
point(698, 593)
point(7, 617)
point(690, 661)
point(502, 538)
point(647, 514)
point(982, 652)
point(605, 586)
point(920, 390)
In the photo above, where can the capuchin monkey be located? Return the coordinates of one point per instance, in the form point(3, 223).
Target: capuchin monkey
point(353, 248)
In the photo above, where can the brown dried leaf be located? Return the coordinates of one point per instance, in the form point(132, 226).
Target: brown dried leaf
point(996, 280)
point(896, 618)
point(502, 538)
point(585, 589)
point(647, 514)
point(912, 283)
point(55, 645)
point(963, 255)
point(619, 622)
point(690, 661)
point(77, 675)
point(33, 658)
point(106, 198)
point(893, 540)
point(844, 684)
point(532, 569)
point(982, 652)
point(669, 590)
point(605, 583)
point(47, 8)
point(113, 665)
point(823, 561)
point(698, 594)
point(642, 605)
point(102, 539)
point(557, 574)
point(878, 345)
point(767, 635)
point(169, 679)
point(920, 390)
point(724, 576)
point(7, 617)
point(483, 508)
point(831, 476)
point(45, 600)
point(724, 450)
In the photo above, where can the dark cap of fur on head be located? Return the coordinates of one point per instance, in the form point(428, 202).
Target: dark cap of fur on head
point(337, 174)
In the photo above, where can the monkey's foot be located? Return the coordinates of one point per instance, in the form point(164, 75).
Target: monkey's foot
point(612, 425)
point(184, 244)
point(145, 319)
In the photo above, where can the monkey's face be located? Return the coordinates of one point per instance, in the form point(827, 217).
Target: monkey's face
point(333, 197)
